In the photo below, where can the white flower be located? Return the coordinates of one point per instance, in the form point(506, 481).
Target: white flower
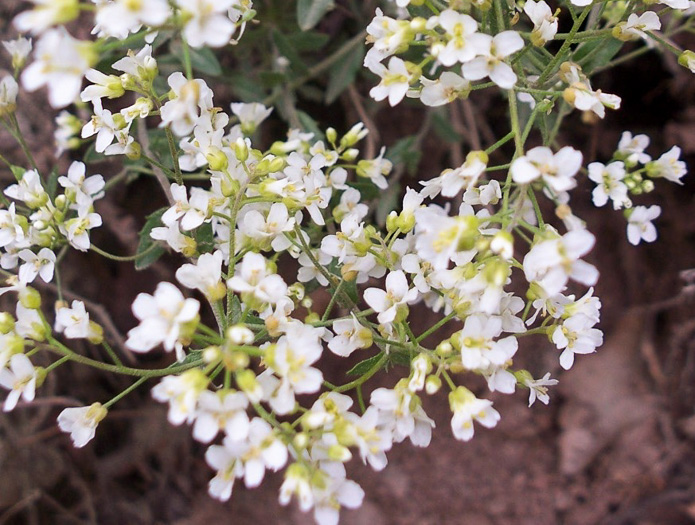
point(76, 230)
point(557, 170)
point(10, 227)
point(460, 46)
point(102, 125)
point(544, 22)
point(182, 393)
point(81, 422)
point(8, 95)
point(248, 459)
point(388, 36)
point(490, 62)
point(576, 336)
point(401, 412)
point(223, 410)
point(192, 212)
point(668, 166)
point(331, 491)
point(205, 275)
point(637, 25)
point(439, 236)
point(20, 379)
point(250, 115)
point(447, 88)
point(74, 322)
point(163, 319)
point(391, 305)
point(376, 169)
point(41, 264)
point(61, 62)
point(538, 388)
point(291, 359)
point(190, 97)
point(639, 225)
point(467, 408)
point(395, 81)
point(479, 350)
point(45, 14)
point(632, 148)
point(29, 324)
point(120, 17)
point(463, 177)
point(610, 185)
point(552, 262)
point(297, 481)
point(207, 22)
point(267, 231)
point(350, 335)
point(252, 277)
point(82, 190)
point(140, 66)
point(29, 190)
point(19, 50)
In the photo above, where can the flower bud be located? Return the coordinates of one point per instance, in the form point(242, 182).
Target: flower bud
point(30, 298)
point(217, 160)
point(433, 384)
point(241, 150)
point(212, 354)
point(339, 453)
point(331, 136)
point(247, 383)
point(276, 165)
point(95, 333)
point(687, 60)
point(6, 323)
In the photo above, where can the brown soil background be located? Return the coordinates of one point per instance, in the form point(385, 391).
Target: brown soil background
point(615, 446)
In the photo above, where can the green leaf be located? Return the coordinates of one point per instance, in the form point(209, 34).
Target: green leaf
point(399, 358)
point(310, 12)
point(593, 55)
point(368, 190)
point(203, 60)
point(18, 172)
point(309, 124)
point(204, 238)
point(389, 200)
point(308, 40)
point(343, 73)
point(191, 357)
point(246, 88)
point(153, 221)
point(287, 50)
point(365, 366)
point(52, 183)
point(443, 128)
point(403, 152)
point(234, 310)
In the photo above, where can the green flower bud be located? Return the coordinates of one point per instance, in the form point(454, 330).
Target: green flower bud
point(217, 160)
point(241, 150)
point(30, 298)
point(6, 323)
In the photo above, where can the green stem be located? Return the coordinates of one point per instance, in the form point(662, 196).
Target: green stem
point(559, 56)
point(186, 58)
point(127, 258)
point(60, 348)
point(17, 134)
point(358, 382)
point(127, 391)
point(435, 327)
point(338, 290)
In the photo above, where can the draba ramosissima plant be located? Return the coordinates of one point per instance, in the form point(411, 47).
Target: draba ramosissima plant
point(241, 385)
